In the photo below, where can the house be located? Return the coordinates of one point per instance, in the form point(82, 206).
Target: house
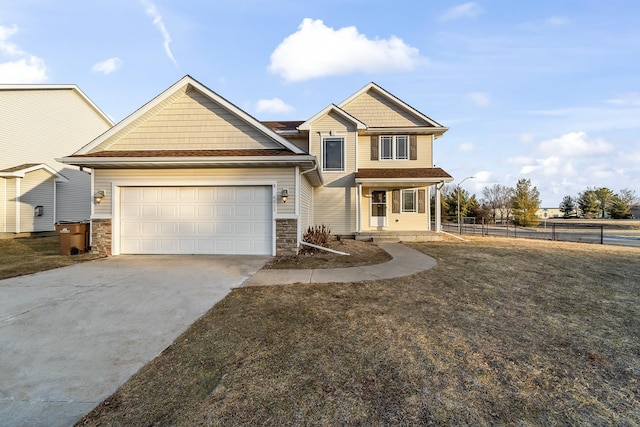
point(39, 123)
point(190, 172)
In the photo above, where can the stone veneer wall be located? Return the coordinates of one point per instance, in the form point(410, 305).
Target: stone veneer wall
point(101, 236)
point(286, 237)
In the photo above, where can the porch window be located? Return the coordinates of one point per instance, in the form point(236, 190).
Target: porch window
point(409, 202)
point(394, 147)
point(333, 154)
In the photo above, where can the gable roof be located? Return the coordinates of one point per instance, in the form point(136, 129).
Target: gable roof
point(332, 107)
point(373, 86)
point(74, 88)
point(21, 170)
point(184, 85)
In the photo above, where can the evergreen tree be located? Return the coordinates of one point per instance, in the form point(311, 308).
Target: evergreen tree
point(526, 202)
point(604, 196)
point(622, 203)
point(568, 206)
point(588, 203)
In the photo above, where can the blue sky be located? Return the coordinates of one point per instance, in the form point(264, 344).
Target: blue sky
point(546, 90)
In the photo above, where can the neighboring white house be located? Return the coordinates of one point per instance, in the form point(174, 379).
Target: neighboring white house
point(189, 172)
point(39, 123)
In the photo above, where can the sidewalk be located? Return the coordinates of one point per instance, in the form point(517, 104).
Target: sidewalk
point(406, 261)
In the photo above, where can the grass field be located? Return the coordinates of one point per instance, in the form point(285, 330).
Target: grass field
point(513, 332)
point(30, 255)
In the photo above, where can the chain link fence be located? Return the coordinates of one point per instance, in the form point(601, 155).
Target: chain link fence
point(569, 232)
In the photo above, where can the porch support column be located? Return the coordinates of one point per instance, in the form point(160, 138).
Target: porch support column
point(438, 209)
point(428, 206)
point(359, 208)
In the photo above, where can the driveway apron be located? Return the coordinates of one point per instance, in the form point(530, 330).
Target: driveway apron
point(69, 337)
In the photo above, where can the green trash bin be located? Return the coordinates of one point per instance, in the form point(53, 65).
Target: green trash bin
point(74, 237)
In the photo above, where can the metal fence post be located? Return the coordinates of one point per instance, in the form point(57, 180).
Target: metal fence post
point(601, 234)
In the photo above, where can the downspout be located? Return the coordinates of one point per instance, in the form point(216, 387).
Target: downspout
point(438, 207)
point(55, 204)
point(5, 201)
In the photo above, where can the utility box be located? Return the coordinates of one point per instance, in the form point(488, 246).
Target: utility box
point(74, 237)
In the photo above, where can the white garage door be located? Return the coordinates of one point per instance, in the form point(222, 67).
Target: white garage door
point(196, 220)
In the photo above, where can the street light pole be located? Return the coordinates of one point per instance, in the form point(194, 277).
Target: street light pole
point(459, 184)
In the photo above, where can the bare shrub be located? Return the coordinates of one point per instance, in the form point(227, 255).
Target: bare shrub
point(316, 235)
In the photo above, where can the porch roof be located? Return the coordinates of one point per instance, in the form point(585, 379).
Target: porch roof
point(428, 175)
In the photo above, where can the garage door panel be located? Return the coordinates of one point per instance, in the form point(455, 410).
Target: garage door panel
point(198, 220)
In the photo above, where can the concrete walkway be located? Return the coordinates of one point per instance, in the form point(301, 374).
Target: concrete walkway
point(406, 261)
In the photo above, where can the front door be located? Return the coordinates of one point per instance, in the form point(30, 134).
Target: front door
point(378, 208)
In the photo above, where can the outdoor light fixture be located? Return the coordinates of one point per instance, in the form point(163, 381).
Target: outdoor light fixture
point(285, 195)
point(98, 196)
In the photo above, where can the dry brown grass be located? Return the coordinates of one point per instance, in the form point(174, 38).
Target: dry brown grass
point(509, 332)
point(360, 253)
point(30, 255)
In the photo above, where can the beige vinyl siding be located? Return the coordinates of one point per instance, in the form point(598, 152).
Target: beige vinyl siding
point(285, 178)
point(334, 203)
point(39, 126)
point(11, 205)
point(424, 159)
point(74, 198)
point(37, 189)
point(376, 110)
point(191, 122)
point(300, 141)
point(335, 207)
point(403, 221)
point(306, 204)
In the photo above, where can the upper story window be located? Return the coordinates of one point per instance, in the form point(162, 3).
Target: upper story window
point(333, 154)
point(393, 147)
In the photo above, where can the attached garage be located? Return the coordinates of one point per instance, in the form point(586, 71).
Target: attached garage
point(196, 220)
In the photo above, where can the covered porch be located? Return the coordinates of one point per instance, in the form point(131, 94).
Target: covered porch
point(394, 204)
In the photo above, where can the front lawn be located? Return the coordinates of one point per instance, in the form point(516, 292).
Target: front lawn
point(509, 332)
point(33, 254)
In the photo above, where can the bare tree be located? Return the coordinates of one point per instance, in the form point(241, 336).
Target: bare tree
point(498, 198)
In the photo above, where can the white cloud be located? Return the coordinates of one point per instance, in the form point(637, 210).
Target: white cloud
point(153, 12)
point(273, 105)
point(520, 160)
point(575, 144)
point(527, 138)
point(464, 10)
point(20, 66)
point(550, 166)
point(626, 99)
point(466, 147)
point(107, 66)
point(342, 51)
point(480, 99)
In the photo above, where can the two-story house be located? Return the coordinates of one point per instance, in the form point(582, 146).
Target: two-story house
point(189, 172)
point(39, 123)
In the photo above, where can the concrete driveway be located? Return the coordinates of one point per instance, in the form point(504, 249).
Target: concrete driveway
point(69, 337)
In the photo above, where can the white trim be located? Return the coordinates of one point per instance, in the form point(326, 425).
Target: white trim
point(386, 207)
point(144, 161)
point(4, 226)
point(415, 200)
point(20, 173)
point(298, 194)
point(332, 107)
point(426, 181)
point(101, 216)
point(359, 208)
point(427, 201)
point(116, 187)
point(180, 85)
point(18, 202)
point(342, 136)
point(55, 203)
